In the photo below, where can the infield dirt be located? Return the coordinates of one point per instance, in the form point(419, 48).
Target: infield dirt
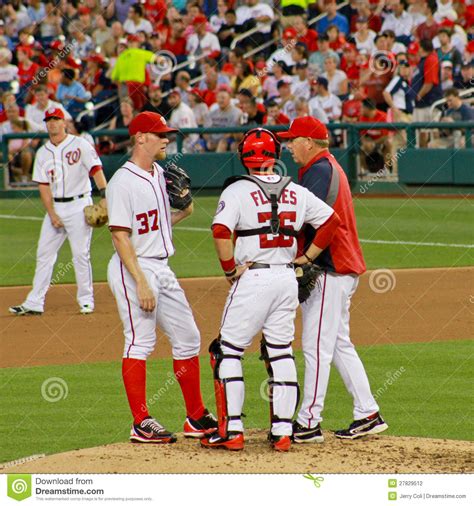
point(418, 305)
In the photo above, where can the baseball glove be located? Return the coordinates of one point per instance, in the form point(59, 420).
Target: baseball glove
point(178, 186)
point(307, 276)
point(96, 214)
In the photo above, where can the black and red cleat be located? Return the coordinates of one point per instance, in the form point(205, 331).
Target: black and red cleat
point(234, 441)
point(152, 432)
point(280, 443)
point(202, 427)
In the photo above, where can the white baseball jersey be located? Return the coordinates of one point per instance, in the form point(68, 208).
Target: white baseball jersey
point(67, 166)
point(137, 201)
point(243, 206)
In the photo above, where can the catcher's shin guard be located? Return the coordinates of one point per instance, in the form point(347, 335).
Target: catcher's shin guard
point(284, 392)
point(228, 385)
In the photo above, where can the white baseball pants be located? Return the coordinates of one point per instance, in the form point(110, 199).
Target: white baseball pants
point(326, 339)
point(51, 239)
point(172, 312)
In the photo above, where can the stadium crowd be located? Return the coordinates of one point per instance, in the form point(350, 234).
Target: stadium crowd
point(366, 61)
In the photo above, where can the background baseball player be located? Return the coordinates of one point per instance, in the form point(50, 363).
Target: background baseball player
point(265, 214)
point(62, 170)
point(146, 290)
point(326, 336)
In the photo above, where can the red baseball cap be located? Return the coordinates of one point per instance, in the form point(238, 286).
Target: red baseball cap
point(149, 122)
point(54, 112)
point(97, 58)
point(307, 126)
point(289, 33)
point(199, 19)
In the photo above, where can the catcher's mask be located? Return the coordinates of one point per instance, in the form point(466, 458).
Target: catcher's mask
point(259, 149)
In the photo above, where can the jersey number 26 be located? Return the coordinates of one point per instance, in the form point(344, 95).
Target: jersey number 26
point(279, 241)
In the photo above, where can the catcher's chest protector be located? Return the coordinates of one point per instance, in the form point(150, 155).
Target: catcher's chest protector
point(272, 192)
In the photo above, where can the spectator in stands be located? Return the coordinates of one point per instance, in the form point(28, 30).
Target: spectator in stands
point(301, 107)
point(324, 101)
point(466, 79)
point(122, 143)
point(71, 93)
point(27, 70)
point(218, 20)
point(307, 36)
point(34, 113)
point(182, 84)
point(223, 115)
point(375, 77)
point(245, 78)
point(196, 103)
point(376, 146)
point(85, 19)
point(392, 45)
point(457, 111)
point(50, 26)
point(228, 30)
point(156, 102)
point(398, 94)
point(337, 79)
point(446, 51)
point(182, 116)
point(102, 32)
point(426, 85)
point(110, 46)
point(8, 72)
point(332, 18)
point(287, 99)
point(256, 12)
point(136, 22)
point(176, 41)
point(79, 128)
point(212, 79)
point(352, 107)
point(300, 84)
point(429, 28)
point(350, 65)
point(299, 54)
point(444, 10)
point(251, 114)
point(82, 44)
point(398, 20)
point(202, 42)
point(279, 71)
point(284, 53)
point(20, 154)
point(447, 81)
point(316, 59)
point(363, 37)
point(366, 10)
point(274, 114)
point(36, 11)
point(336, 38)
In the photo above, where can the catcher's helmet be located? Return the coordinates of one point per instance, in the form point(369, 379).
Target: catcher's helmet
point(259, 149)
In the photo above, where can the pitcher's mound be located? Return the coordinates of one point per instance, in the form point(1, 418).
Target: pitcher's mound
point(374, 454)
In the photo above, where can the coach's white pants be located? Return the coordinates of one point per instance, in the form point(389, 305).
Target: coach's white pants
point(172, 312)
point(51, 239)
point(326, 339)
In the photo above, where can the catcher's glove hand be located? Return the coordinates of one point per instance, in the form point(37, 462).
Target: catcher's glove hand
point(307, 276)
point(178, 186)
point(96, 214)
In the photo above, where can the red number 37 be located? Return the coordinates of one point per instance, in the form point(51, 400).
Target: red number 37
point(148, 221)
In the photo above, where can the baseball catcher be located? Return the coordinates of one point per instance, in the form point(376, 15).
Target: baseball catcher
point(178, 186)
point(96, 214)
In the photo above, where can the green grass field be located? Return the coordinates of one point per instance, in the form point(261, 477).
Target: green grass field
point(446, 221)
point(422, 389)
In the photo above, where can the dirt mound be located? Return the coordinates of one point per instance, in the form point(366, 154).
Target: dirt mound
point(375, 454)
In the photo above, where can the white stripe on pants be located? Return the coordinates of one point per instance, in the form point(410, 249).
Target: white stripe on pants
point(51, 239)
point(326, 339)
